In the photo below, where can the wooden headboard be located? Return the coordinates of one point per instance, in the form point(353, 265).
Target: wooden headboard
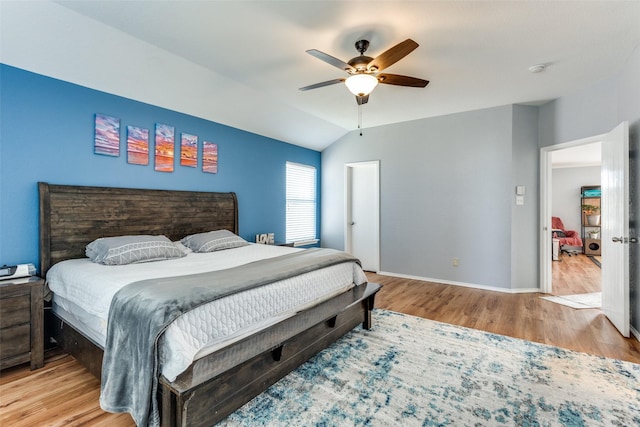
point(73, 216)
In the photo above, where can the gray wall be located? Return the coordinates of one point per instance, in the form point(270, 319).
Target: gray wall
point(525, 161)
point(447, 187)
point(596, 110)
point(566, 183)
point(629, 109)
point(447, 184)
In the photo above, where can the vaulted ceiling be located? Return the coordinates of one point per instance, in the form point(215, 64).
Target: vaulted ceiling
point(241, 63)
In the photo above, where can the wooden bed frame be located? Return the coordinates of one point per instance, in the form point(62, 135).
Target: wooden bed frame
point(215, 386)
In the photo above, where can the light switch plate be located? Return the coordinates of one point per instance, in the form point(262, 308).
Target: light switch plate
point(520, 190)
point(519, 200)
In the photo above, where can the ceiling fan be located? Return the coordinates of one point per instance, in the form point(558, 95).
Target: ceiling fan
point(365, 71)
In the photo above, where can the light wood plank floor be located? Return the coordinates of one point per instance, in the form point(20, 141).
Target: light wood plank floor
point(524, 316)
point(65, 394)
point(576, 274)
point(62, 393)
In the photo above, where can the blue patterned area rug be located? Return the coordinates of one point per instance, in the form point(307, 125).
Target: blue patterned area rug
point(409, 371)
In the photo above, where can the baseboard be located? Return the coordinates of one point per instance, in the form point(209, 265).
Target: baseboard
point(635, 333)
point(466, 285)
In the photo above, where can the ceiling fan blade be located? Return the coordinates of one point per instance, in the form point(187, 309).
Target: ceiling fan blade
point(322, 84)
point(393, 55)
point(331, 60)
point(361, 100)
point(398, 80)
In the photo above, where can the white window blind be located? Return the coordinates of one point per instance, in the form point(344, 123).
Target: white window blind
point(301, 203)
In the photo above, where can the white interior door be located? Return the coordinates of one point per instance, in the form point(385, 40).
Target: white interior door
point(362, 227)
point(615, 227)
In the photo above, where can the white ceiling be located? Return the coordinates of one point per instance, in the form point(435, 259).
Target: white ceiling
point(241, 63)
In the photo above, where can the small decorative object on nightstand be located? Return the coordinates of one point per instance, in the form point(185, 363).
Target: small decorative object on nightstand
point(22, 322)
point(265, 239)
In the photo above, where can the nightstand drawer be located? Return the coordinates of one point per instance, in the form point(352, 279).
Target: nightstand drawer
point(15, 311)
point(21, 322)
point(15, 341)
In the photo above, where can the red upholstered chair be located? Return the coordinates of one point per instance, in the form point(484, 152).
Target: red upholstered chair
point(566, 237)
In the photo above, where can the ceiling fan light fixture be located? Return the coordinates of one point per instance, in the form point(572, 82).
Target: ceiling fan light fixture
point(361, 84)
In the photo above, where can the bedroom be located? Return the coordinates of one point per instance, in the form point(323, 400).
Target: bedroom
point(48, 126)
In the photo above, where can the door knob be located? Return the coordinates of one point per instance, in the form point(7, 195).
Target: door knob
point(617, 239)
point(353, 223)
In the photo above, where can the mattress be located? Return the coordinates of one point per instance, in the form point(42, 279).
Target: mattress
point(82, 293)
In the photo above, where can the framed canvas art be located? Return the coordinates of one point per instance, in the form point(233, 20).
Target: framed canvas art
point(137, 145)
point(165, 143)
point(189, 150)
point(107, 135)
point(209, 157)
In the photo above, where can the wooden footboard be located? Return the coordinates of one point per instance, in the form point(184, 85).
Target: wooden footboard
point(202, 397)
point(216, 385)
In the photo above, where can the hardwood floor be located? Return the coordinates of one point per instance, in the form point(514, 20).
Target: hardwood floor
point(63, 393)
point(576, 274)
point(524, 316)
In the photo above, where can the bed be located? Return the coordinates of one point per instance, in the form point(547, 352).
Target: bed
point(232, 371)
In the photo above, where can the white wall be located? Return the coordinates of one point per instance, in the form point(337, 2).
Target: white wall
point(447, 190)
point(566, 183)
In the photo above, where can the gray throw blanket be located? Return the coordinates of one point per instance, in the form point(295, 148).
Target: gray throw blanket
point(141, 311)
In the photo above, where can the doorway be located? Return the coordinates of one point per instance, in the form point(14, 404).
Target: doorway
point(362, 213)
point(614, 224)
point(576, 269)
point(547, 155)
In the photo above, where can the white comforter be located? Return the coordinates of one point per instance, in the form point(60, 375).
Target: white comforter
point(82, 284)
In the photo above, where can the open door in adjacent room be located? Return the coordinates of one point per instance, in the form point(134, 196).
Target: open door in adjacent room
point(615, 227)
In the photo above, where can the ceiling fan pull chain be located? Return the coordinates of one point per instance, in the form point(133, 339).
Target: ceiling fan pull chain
point(360, 118)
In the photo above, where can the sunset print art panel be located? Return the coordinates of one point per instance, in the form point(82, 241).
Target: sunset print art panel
point(189, 150)
point(164, 147)
point(209, 157)
point(107, 135)
point(137, 145)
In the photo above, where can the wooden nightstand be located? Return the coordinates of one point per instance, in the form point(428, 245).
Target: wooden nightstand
point(22, 322)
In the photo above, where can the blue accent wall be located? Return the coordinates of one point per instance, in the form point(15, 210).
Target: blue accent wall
point(47, 134)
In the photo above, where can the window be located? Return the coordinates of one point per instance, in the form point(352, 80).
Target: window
point(301, 204)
